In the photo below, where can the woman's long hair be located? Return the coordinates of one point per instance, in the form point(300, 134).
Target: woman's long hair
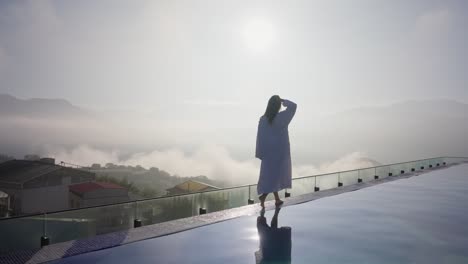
point(274, 105)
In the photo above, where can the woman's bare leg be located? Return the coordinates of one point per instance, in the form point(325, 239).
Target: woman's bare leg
point(277, 199)
point(262, 199)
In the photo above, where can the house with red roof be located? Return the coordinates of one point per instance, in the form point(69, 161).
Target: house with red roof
point(96, 193)
point(37, 186)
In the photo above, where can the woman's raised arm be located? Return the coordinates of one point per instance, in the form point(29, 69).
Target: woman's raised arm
point(285, 117)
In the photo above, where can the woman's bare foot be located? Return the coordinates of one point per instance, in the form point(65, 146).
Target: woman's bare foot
point(278, 203)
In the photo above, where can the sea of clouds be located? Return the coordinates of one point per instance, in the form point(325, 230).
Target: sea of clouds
point(213, 161)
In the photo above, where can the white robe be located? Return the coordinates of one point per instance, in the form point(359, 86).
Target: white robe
point(274, 150)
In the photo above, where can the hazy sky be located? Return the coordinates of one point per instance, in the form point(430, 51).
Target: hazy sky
point(326, 55)
point(185, 81)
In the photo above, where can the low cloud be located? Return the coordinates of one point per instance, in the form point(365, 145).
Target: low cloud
point(351, 161)
point(213, 161)
point(83, 155)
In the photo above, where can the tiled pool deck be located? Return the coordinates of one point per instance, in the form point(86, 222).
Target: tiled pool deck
point(414, 220)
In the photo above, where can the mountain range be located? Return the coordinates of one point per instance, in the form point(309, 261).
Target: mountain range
point(39, 107)
point(401, 131)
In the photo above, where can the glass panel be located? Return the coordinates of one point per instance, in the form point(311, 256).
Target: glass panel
point(271, 197)
point(414, 167)
point(421, 164)
point(405, 167)
point(88, 222)
point(428, 163)
point(165, 209)
point(447, 161)
point(452, 161)
point(349, 177)
point(21, 233)
point(253, 193)
point(219, 200)
point(395, 169)
point(383, 171)
point(440, 161)
point(303, 185)
point(433, 162)
point(329, 181)
point(212, 201)
point(367, 174)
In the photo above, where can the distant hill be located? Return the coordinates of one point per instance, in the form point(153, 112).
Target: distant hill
point(411, 109)
point(38, 107)
point(393, 133)
point(153, 180)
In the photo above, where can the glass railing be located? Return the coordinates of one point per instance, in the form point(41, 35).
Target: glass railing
point(33, 231)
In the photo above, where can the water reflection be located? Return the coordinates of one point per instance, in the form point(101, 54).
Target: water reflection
point(275, 243)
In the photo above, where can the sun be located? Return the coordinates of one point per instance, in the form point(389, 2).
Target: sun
point(259, 34)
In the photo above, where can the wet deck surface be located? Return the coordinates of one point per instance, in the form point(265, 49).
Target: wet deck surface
point(420, 219)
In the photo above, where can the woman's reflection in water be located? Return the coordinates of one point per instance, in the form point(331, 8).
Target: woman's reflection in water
point(275, 243)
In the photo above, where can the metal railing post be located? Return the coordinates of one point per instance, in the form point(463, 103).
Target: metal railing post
point(45, 240)
point(136, 221)
point(250, 200)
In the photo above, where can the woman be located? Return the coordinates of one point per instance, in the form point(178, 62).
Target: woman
point(273, 149)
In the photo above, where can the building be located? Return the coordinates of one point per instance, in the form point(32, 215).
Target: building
point(4, 204)
point(36, 186)
point(96, 193)
point(190, 186)
point(32, 157)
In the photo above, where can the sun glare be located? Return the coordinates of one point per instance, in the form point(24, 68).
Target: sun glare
point(259, 34)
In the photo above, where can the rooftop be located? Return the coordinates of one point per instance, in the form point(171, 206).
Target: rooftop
point(92, 186)
point(192, 186)
point(20, 171)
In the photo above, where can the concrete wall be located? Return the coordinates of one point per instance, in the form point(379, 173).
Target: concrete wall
point(44, 199)
point(75, 201)
point(105, 196)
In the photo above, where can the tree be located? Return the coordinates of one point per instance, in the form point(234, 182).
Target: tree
point(110, 165)
point(149, 192)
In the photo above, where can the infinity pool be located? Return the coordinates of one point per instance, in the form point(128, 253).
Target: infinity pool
point(421, 219)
